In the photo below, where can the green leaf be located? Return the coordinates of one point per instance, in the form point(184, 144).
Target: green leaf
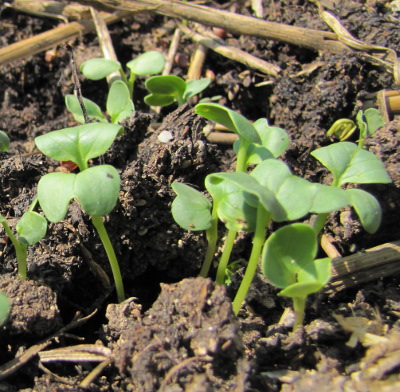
point(350, 164)
point(97, 189)
point(96, 69)
point(236, 213)
point(275, 139)
point(310, 279)
point(294, 195)
point(5, 308)
point(221, 184)
point(159, 100)
point(80, 143)
point(328, 199)
point(119, 103)
point(274, 142)
point(194, 87)
point(230, 119)
point(367, 209)
point(4, 142)
point(287, 251)
point(190, 209)
point(165, 89)
point(31, 228)
point(55, 190)
point(342, 129)
point(373, 121)
point(92, 109)
point(149, 63)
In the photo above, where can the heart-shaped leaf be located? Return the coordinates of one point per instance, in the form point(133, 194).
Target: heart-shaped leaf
point(149, 63)
point(350, 164)
point(96, 69)
point(96, 189)
point(31, 228)
point(165, 89)
point(293, 194)
point(287, 251)
point(80, 143)
point(190, 209)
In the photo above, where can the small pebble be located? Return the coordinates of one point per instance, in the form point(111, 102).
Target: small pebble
point(165, 136)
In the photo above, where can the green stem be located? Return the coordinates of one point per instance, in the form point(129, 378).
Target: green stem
point(226, 254)
point(319, 222)
point(21, 251)
point(130, 83)
point(212, 235)
point(258, 241)
point(241, 162)
point(105, 239)
point(299, 304)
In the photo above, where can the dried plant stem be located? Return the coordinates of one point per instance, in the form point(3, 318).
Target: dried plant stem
point(51, 38)
point(375, 263)
point(105, 43)
point(218, 46)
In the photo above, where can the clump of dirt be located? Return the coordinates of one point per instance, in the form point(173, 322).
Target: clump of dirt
point(188, 340)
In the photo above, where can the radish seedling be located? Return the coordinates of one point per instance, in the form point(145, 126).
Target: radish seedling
point(149, 63)
point(288, 261)
point(119, 105)
point(167, 89)
point(351, 164)
point(95, 188)
point(249, 201)
point(368, 122)
point(31, 228)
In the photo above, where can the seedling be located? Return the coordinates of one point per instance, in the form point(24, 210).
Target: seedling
point(249, 201)
point(351, 164)
point(119, 105)
point(5, 308)
point(368, 122)
point(149, 63)
point(288, 261)
point(95, 188)
point(31, 228)
point(167, 89)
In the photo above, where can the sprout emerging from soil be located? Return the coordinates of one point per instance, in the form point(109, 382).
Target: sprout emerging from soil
point(368, 122)
point(270, 192)
point(95, 188)
point(167, 89)
point(149, 63)
point(31, 228)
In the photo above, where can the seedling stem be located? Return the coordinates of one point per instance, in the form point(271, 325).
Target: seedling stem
point(223, 263)
point(20, 251)
point(260, 232)
point(105, 239)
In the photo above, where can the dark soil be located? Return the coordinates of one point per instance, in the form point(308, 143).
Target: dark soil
point(177, 332)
